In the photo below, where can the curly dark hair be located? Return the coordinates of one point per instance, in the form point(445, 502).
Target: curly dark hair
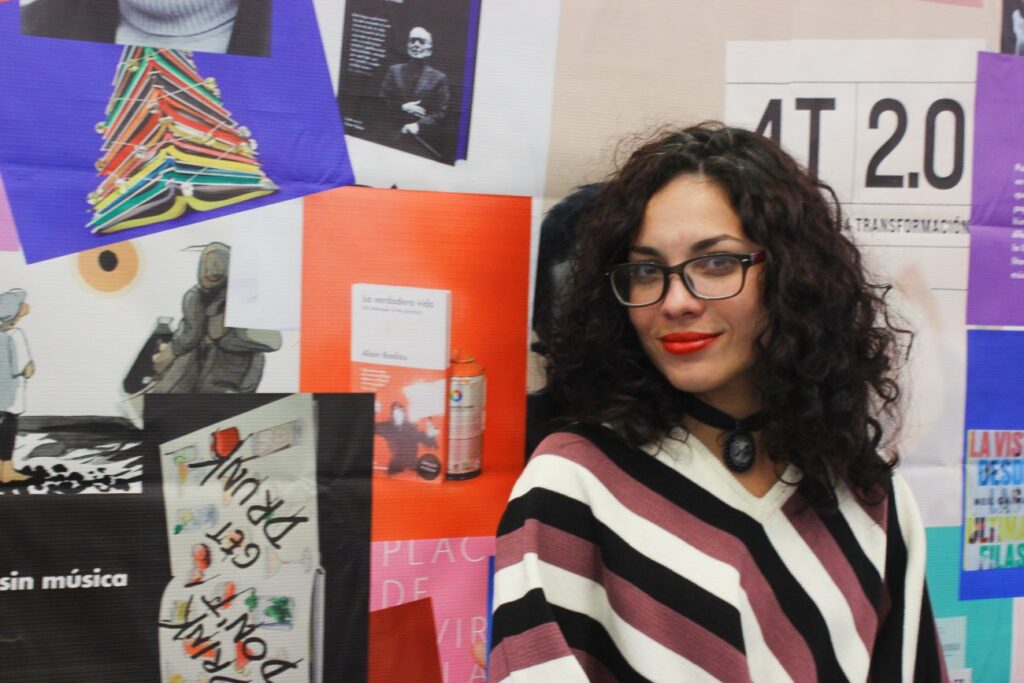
point(827, 359)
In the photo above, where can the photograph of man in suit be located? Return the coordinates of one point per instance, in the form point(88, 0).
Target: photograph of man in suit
point(415, 97)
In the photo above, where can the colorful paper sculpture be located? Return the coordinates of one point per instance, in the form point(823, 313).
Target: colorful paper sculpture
point(169, 145)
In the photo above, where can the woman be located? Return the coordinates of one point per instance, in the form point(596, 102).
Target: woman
point(718, 507)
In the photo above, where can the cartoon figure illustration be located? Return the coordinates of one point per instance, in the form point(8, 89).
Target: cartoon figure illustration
point(981, 533)
point(203, 355)
point(16, 367)
point(403, 437)
point(416, 95)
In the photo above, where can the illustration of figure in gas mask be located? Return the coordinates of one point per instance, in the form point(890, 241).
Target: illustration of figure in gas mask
point(202, 355)
point(416, 97)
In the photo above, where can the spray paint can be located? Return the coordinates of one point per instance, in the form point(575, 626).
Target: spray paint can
point(467, 399)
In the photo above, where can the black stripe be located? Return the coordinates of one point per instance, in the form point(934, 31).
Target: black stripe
point(519, 616)
point(868, 577)
point(660, 583)
point(887, 658)
point(796, 604)
point(580, 631)
point(929, 652)
point(587, 635)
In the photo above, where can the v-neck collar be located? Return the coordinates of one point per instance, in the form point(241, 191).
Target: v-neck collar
point(686, 454)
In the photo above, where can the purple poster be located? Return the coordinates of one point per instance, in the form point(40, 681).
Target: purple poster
point(8, 237)
point(113, 130)
point(995, 294)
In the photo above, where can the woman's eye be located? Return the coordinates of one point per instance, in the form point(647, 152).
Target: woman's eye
point(717, 265)
point(646, 271)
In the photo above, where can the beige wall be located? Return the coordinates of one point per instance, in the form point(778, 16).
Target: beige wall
point(628, 66)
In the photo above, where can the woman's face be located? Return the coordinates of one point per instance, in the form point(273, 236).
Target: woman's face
point(702, 347)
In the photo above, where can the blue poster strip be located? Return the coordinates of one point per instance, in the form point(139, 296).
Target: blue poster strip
point(992, 542)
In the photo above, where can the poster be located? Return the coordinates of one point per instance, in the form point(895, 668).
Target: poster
point(406, 75)
point(152, 137)
point(498, 141)
point(452, 574)
point(110, 558)
point(997, 229)
point(91, 316)
point(887, 124)
point(992, 547)
point(476, 248)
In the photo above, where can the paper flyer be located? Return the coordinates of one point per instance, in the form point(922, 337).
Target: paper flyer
point(241, 506)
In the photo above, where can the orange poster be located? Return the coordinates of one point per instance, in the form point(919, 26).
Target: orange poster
point(477, 249)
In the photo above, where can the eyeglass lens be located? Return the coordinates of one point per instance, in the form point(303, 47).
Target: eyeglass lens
point(717, 276)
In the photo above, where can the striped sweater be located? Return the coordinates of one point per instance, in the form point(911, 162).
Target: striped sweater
point(613, 565)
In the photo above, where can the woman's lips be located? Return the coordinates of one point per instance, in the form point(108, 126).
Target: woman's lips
point(682, 343)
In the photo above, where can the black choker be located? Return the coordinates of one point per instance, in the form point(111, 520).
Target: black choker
point(740, 447)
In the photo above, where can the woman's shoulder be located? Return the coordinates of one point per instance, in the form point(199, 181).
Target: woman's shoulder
point(590, 446)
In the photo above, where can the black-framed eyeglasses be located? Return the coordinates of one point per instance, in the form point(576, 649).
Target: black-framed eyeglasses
point(710, 277)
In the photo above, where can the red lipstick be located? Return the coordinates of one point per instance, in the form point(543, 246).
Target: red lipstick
point(682, 343)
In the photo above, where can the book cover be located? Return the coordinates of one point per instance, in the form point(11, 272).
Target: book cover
point(406, 77)
point(399, 352)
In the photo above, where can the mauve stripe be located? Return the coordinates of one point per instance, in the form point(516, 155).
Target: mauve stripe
point(810, 527)
point(596, 671)
point(658, 622)
point(538, 645)
point(779, 634)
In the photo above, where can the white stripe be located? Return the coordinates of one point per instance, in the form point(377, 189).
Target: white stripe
point(562, 670)
point(914, 537)
point(870, 536)
point(761, 661)
point(810, 573)
point(573, 592)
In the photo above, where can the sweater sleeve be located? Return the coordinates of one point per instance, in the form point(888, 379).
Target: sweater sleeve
point(529, 636)
point(907, 647)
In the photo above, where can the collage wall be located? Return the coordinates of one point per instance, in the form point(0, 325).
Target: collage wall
point(266, 303)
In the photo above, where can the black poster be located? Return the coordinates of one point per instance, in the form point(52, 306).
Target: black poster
point(84, 567)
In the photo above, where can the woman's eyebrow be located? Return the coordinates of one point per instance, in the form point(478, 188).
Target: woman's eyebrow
point(695, 248)
point(644, 251)
point(707, 243)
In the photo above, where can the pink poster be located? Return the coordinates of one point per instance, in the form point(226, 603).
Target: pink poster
point(8, 236)
point(453, 573)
